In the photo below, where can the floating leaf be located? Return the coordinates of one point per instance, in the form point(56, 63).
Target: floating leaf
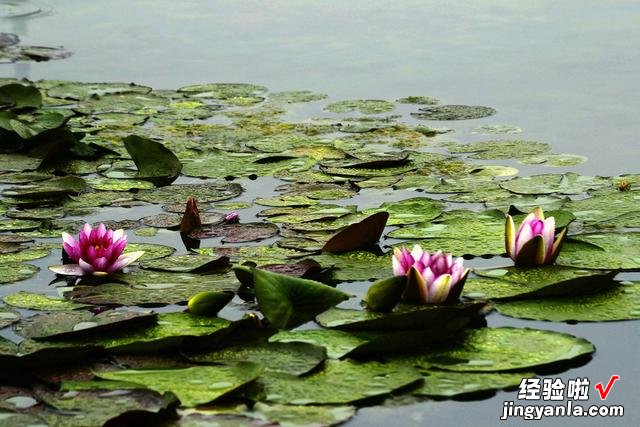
point(366, 380)
point(292, 358)
point(410, 211)
point(568, 183)
point(364, 106)
point(602, 251)
point(16, 271)
point(500, 149)
point(454, 112)
point(8, 316)
point(450, 384)
point(337, 343)
point(534, 282)
point(193, 386)
point(63, 324)
point(179, 193)
point(419, 100)
point(152, 288)
point(620, 302)
point(17, 96)
point(290, 301)
point(193, 263)
point(237, 233)
point(506, 349)
point(41, 302)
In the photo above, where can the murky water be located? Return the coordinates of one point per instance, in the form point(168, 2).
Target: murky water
point(565, 72)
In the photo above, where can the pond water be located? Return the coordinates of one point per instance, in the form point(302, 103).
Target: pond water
point(565, 72)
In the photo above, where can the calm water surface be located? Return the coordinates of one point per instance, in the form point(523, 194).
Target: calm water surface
point(565, 72)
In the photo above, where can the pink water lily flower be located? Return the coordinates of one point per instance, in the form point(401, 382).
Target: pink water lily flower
point(97, 251)
point(431, 278)
point(535, 242)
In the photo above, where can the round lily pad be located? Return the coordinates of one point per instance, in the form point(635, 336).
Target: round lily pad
point(419, 100)
point(296, 96)
point(179, 193)
point(364, 106)
point(497, 129)
point(365, 380)
point(193, 386)
point(40, 302)
point(620, 302)
point(238, 233)
point(450, 384)
point(602, 251)
point(151, 250)
point(8, 316)
point(16, 271)
point(568, 183)
point(454, 112)
point(506, 349)
point(292, 358)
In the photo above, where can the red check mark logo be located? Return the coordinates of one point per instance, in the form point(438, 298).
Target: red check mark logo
point(604, 392)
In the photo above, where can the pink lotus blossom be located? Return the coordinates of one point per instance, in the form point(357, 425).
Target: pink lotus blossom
point(231, 218)
point(96, 252)
point(431, 278)
point(535, 242)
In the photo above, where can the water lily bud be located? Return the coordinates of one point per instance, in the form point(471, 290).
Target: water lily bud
point(209, 303)
point(231, 218)
point(191, 218)
point(534, 244)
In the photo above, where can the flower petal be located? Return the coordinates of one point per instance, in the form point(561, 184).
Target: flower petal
point(86, 267)
point(439, 289)
point(510, 237)
point(548, 233)
point(416, 290)
point(124, 260)
point(68, 270)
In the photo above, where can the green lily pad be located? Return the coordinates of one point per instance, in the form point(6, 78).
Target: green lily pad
point(237, 233)
point(296, 96)
point(337, 343)
point(460, 232)
point(404, 317)
point(535, 282)
point(96, 408)
point(41, 302)
point(290, 301)
point(30, 253)
point(112, 184)
point(179, 193)
point(604, 207)
point(410, 211)
point(568, 183)
point(497, 129)
point(15, 271)
point(18, 162)
point(500, 149)
point(295, 200)
point(506, 349)
point(223, 91)
point(602, 251)
point(621, 302)
point(81, 91)
point(556, 160)
point(419, 100)
point(356, 265)
point(364, 106)
point(454, 112)
point(73, 323)
point(55, 187)
point(194, 263)
point(152, 288)
point(366, 380)
point(450, 384)
point(224, 165)
point(151, 250)
point(293, 358)
point(172, 330)
point(260, 255)
point(193, 386)
point(18, 225)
